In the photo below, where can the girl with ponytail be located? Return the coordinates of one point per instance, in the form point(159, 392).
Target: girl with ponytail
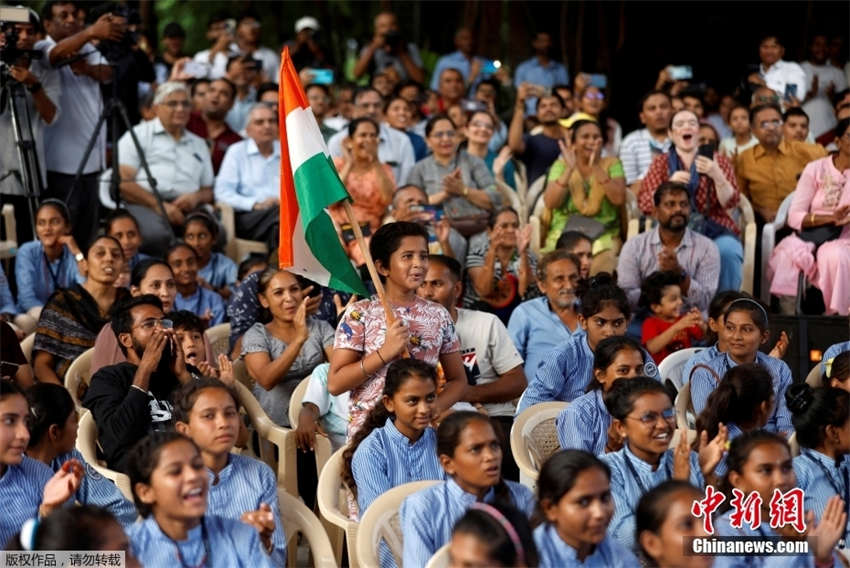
point(821, 418)
point(471, 455)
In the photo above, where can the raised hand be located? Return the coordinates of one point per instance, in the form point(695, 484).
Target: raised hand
point(682, 458)
point(263, 520)
point(501, 160)
point(340, 309)
point(153, 350)
point(300, 321)
point(442, 228)
point(523, 239)
point(781, 346)
point(61, 486)
point(568, 153)
point(710, 453)
point(824, 535)
point(681, 176)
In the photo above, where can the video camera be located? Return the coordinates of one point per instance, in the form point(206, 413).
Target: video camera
point(9, 17)
point(117, 50)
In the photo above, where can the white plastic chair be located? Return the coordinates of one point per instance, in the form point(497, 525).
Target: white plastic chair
point(27, 345)
point(671, 367)
point(331, 495)
point(87, 446)
point(684, 408)
point(79, 373)
point(9, 246)
point(768, 242)
point(322, 449)
point(534, 438)
point(235, 248)
point(440, 558)
point(218, 337)
point(748, 236)
point(298, 519)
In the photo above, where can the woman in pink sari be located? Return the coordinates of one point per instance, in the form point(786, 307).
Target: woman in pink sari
point(819, 213)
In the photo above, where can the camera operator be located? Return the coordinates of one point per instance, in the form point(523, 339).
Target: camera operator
point(41, 89)
point(388, 49)
point(304, 48)
point(81, 69)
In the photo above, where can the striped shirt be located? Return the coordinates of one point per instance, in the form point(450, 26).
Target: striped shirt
point(242, 486)
point(553, 551)
point(703, 384)
point(386, 458)
point(201, 301)
point(97, 490)
point(637, 151)
point(698, 358)
point(631, 477)
point(428, 516)
point(564, 375)
point(21, 489)
point(834, 350)
point(583, 425)
point(229, 544)
point(220, 271)
point(818, 475)
point(536, 330)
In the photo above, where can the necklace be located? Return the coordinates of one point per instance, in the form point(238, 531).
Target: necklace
point(205, 560)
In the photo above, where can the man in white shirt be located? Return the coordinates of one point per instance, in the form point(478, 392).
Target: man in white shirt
point(785, 78)
point(179, 161)
point(66, 138)
point(821, 80)
point(220, 30)
point(493, 365)
point(394, 147)
point(249, 178)
point(640, 147)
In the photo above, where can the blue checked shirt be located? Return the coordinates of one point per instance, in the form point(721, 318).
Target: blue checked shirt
point(703, 383)
point(818, 475)
point(628, 487)
point(386, 458)
point(537, 331)
point(565, 373)
point(202, 300)
point(428, 516)
point(220, 271)
point(555, 553)
point(242, 486)
point(97, 490)
point(231, 544)
point(583, 425)
point(834, 350)
point(21, 488)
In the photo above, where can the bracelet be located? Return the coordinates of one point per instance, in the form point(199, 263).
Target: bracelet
point(362, 368)
point(466, 192)
point(381, 357)
point(812, 219)
point(139, 388)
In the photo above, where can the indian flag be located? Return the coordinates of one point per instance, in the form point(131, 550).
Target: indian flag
point(309, 183)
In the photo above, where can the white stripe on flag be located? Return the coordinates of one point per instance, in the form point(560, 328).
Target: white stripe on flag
point(307, 140)
point(305, 263)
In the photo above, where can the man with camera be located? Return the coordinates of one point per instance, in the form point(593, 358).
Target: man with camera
point(81, 69)
point(21, 66)
point(388, 49)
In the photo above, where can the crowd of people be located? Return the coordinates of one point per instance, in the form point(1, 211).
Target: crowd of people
point(495, 210)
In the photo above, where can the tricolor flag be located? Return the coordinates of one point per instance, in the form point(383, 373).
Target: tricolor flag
point(309, 183)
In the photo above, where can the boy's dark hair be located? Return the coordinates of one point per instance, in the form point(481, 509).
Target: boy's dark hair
point(186, 320)
point(652, 288)
point(246, 266)
point(387, 239)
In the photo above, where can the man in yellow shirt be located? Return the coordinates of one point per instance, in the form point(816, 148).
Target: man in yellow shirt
point(768, 171)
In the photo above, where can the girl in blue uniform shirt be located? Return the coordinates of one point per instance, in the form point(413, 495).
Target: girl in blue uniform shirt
point(53, 435)
point(568, 370)
point(745, 330)
point(644, 418)
point(214, 269)
point(838, 371)
point(191, 296)
point(664, 520)
point(821, 419)
point(240, 487)
point(492, 535)
point(170, 486)
point(471, 456)
point(579, 424)
point(396, 444)
point(28, 488)
point(760, 461)
point(742, 401)
point(122, 226)
point(576, 506)
point(716, 343)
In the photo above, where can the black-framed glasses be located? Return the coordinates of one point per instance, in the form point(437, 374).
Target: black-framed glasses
point(151, 323)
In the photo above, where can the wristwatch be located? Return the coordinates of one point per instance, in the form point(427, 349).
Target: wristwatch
point(79, 257)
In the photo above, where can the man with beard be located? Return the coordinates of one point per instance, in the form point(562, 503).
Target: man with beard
point(672, 246)
point(209, 123)
point(641, 146)
point(539, 325)
point(536, 151)
point(131, 399)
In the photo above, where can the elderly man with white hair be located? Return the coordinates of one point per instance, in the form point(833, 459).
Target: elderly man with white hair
point(178, 160)
point(249, 178)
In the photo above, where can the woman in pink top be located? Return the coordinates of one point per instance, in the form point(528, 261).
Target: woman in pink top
point(821, 200)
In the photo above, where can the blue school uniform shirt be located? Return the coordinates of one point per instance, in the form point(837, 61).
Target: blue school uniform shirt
point(832, 351)
point(7, 301)
point(231, 544)
point(553, 552)
point(428, 516)
point(628, 484)
point(537, 331)
point(97, 490)
point(199, 302)
point(820, 478)
point(723, 527)
point(243, 484)
point(136, 259)
point(386, 458)
point(220, 271)
point(583, 425)
point(703, 384)
point(35, 278)
point(699, 358)
point(565, 373)
point(21, 489)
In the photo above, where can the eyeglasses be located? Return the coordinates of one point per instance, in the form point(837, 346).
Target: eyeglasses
point(446, 134)
point(592, 96)
point(478, 124)
point(770, 124)
point(175, 104)
point(151, 323)
point(651, 418)
point(684, 123)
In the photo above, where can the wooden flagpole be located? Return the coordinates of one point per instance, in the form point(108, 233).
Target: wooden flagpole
point(370, 264)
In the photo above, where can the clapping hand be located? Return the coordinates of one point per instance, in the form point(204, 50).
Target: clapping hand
point(568, 153)
point(453, 183)
point(710, 453)
point(682, 458)
point(61, 486)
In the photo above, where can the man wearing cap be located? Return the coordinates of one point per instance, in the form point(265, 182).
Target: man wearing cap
point(303, 48)
point(388, 49)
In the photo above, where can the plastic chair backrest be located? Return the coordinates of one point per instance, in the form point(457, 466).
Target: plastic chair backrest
point(534, 437)
point(78, 376)
point(298, 519)
point(382, 521)
point(27, 345)
point(683, 406)
point(748, 236)
point(331, 498)
point(87, 446)
point(768, 242)
point(218, 337)
point(671, 366)
point(323, 448)
point(440, 558)
point(795, 447)
point(235, 248)
point(815, 377)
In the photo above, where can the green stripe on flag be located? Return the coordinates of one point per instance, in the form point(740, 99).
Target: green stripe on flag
point(317, 186)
